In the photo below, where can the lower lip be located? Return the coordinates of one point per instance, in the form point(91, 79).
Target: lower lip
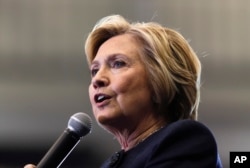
point(103, 103)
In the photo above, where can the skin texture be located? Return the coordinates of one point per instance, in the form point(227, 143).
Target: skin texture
point(118, 73)
point(144, 76)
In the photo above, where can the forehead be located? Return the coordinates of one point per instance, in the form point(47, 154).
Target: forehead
point(122, 44)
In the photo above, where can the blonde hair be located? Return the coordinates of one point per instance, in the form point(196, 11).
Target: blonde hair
point(173, 67)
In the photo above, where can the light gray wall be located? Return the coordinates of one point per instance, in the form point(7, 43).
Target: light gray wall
point(44, 76)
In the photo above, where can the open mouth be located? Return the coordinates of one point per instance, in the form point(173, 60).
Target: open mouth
point(101, 97)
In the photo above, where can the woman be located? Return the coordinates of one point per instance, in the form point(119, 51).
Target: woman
point(145, 90)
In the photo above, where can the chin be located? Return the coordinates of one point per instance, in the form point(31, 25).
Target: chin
point(105, 123)
point(108, 122)
point(102, 119)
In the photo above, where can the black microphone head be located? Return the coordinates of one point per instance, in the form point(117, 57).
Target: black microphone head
point(80, 123)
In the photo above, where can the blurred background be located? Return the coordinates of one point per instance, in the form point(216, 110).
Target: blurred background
point(44, 76)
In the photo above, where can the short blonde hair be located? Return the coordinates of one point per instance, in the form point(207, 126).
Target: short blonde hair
point(172, 66)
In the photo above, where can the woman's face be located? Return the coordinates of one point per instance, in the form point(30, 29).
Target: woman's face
point(119, 90)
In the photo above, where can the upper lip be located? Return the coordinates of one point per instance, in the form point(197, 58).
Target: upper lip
point(100, 97)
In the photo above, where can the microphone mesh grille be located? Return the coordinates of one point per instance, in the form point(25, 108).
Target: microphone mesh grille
point(80, 123)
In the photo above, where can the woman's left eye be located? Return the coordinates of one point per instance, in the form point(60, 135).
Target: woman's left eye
point(118, 64)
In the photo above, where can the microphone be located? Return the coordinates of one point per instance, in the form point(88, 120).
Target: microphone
point(79, 125)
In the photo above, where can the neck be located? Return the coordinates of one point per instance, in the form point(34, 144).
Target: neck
point(129, 139)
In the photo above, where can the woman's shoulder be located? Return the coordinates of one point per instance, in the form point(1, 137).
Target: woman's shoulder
point(187, 126)
point(188, 131)
point(183, 137)
point(190, 140)
point(184, 143)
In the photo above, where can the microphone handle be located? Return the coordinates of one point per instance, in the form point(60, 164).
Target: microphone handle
point(60, 150)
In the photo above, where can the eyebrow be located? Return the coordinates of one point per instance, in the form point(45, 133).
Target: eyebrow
point(95, 62)
point(109, 58)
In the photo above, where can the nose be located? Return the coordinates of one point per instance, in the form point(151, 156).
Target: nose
point(100, 80)
point(99, 83)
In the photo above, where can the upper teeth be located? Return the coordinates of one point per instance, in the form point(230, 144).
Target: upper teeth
point(100, 97)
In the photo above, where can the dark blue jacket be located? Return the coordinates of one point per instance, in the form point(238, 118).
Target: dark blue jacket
point(181, 144)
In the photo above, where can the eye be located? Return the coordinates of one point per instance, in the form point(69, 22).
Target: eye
point(118, 64)
point(94, 71)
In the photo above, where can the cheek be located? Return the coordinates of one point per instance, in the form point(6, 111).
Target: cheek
point(132, 87)
point(123, 85)
point(135, 99)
